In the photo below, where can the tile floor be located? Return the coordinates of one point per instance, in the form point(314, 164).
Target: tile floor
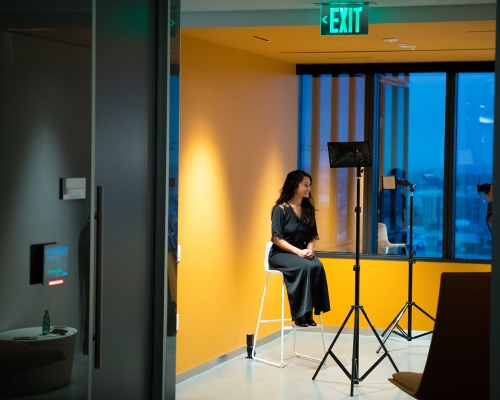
point(246, 379)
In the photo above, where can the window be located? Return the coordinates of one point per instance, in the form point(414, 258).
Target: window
point(411, 147)
point(433, 130)
point(473, 163)
point(332, 111)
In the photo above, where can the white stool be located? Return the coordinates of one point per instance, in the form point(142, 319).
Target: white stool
point(282, 320)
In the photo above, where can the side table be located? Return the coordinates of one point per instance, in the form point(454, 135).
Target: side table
point(47, 377)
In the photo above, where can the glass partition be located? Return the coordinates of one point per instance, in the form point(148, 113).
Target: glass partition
point(45, 135)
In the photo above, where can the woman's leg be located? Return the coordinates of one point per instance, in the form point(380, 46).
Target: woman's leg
point(309, 318)
point(305, 283)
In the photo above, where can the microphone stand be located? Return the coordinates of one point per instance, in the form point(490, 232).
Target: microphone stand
point(356, 308)
point(410, 303)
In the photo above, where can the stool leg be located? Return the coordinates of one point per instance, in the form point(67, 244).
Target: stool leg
point(261, 321)
point(260, 316)
point(282, 320)
point(304, 356)
point(322, 333)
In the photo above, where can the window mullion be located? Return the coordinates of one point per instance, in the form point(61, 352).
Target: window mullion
point(449, 167)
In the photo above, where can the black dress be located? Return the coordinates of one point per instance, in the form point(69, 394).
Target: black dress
point(305, 280)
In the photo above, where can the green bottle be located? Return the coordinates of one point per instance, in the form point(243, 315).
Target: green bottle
point(46, 323)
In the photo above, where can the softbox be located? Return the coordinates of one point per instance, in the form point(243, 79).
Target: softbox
point(349, 154)
point(389, 182)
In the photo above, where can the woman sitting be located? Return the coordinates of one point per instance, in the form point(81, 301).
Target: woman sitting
point(293, 235)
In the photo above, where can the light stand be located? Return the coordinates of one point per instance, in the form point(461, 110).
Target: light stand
point(391, 183)
point(350, 154)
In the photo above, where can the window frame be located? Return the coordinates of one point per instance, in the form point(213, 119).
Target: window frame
point(372, 108)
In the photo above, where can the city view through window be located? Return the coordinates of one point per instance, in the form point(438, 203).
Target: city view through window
point(413, 140)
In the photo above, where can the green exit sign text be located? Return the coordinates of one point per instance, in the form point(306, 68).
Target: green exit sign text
point(344, 19)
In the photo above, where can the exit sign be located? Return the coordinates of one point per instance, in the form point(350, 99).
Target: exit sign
point(344, 19)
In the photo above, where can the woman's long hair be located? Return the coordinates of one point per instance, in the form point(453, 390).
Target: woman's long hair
point(288, 191)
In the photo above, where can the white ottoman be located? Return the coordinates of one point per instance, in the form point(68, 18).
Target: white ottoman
point(47, 377)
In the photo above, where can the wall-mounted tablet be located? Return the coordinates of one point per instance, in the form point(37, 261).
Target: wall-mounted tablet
point(55, 264)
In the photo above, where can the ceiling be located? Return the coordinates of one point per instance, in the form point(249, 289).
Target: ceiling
point(288, 30)
point(250, 5)
point(433, 41)
point(430, 30)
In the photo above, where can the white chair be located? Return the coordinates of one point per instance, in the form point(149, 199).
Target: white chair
point(281, 320)
point(386, 247)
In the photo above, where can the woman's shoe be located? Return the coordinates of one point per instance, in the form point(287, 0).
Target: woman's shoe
point(301, 321)
point(309, 319)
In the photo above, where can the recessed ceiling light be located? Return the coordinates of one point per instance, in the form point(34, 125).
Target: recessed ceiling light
point(390, 40)
point(405, 46)
point(258, 37)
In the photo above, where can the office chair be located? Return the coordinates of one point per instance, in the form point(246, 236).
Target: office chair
point(386, 247)
point(458, 362)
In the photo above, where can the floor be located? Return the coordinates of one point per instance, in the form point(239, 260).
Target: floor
point(242, 378)
point(246, 379)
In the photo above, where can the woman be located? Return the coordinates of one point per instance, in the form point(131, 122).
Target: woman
point(293, 235)
point(489, 209)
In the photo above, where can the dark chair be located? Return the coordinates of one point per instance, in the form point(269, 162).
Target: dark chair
point(458, 363)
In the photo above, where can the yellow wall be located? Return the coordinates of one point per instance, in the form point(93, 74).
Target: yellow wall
point(384, 290)
point(238, 141)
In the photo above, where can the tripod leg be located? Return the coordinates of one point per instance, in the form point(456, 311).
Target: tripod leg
point(329, 351)
point(386, 352)
point(395, 320)
point(427, 315)
point(355, 352)
point(424, 312)
point(392, 326)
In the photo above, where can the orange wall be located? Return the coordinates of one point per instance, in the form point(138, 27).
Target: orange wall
point(238, 140)
point(384, 290)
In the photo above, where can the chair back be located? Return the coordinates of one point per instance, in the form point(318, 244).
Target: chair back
point(458, 363)
point(386, 247)
point(383, 240)
point(266, 257)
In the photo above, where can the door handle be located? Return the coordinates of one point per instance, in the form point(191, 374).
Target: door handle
point(98, 280)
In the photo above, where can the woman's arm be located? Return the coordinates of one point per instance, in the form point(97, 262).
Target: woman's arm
point(489, 216)
point(277, 227)
point(310, 246)
point(283, 244)
point(489, 211)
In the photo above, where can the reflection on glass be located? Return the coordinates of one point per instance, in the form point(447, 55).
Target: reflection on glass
point(45, 134)
point(412, 121)
point(331, 110)
point(173, 197)
point(474, 163)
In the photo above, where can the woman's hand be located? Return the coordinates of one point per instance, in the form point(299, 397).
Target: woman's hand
point(306, 253)
point(489, 195)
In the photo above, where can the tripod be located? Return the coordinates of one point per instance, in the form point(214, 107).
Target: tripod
point(356, 308)
point(410, 303)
